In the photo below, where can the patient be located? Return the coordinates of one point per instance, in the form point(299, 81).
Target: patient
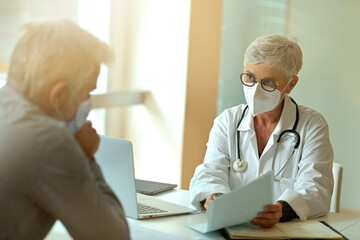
point(47, 165)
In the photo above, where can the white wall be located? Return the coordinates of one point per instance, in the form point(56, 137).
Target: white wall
point(155, 35)
point(328, 34)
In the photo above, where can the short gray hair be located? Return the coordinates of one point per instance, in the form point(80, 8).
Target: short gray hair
point(54, 50)
point(275, 51)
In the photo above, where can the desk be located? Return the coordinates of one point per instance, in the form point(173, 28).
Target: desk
point(347, 223)
point(353, 231)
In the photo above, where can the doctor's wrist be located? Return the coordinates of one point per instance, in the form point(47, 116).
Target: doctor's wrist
point(202, 203)
point(287, 212)
point(214, 195)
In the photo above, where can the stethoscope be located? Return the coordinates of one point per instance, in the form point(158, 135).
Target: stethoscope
point(240, 165)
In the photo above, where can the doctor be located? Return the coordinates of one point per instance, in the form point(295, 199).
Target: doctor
point(270, 132)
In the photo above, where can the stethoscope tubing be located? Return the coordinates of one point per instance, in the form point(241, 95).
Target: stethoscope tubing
point(292, 131)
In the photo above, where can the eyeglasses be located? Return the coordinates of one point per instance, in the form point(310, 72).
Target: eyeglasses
point(267, 84)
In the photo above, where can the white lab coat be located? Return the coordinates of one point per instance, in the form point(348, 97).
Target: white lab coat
point(306, 181)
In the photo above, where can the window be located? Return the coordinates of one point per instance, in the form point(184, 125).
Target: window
point(3, 68)
point(94, 16)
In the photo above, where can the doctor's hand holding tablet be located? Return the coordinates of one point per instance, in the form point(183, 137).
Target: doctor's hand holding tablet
point(271, 132)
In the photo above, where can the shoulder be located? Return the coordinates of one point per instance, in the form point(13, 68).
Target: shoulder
point(24, 126)
point(227, 120)
point(311, 122)
point(231, 114)
point(310, 115)
point(30, 146)
point(37, 135)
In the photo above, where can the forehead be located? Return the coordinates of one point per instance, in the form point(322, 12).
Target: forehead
point(262, 71)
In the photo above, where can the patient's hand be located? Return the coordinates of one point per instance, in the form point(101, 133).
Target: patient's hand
point(269, 217)
point(88, 139)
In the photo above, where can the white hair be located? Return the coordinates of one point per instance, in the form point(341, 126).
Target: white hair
point(54, 50)
point(275, 51)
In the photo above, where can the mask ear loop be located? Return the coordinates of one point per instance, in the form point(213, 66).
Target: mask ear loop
point(287, 84)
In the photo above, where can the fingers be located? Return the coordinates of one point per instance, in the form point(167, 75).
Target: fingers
point(206, 206)
point(273, 208)
point(88, 139)
point(265, 223)
point(87, 125)
point(209, 199)
point(269, 217)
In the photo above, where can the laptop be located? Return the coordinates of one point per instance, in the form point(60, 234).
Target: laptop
point(151, 187)
point(115, 157)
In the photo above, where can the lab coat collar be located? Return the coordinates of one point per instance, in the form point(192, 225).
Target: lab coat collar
point(287, 118)
point(248, 121)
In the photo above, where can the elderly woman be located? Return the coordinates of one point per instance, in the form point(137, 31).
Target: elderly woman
point(270, 132)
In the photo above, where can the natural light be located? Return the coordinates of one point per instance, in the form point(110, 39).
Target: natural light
point(94, 16)
point(2, 79)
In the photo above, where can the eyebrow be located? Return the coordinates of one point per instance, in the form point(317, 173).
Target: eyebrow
point(271, 78)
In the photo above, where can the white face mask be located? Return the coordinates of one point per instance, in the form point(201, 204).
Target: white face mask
point(261, 101)
point(81, 116)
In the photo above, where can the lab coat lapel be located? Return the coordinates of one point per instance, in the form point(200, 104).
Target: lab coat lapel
point(287, 119)
point(247, 128)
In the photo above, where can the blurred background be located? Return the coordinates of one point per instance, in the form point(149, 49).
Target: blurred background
point(177, 65)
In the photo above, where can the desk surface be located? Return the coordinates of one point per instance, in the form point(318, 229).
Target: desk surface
point(347, 223)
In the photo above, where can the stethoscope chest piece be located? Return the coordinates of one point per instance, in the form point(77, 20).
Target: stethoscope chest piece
point(239, 165)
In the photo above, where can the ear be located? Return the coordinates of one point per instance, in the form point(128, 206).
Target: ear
point(59, 94)
point(292, 84)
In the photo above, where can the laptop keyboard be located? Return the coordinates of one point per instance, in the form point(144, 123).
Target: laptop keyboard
point(145, 209)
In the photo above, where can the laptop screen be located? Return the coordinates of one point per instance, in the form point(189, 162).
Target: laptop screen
point(115, 157)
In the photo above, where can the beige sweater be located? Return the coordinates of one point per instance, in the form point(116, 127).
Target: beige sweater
point(44, 176)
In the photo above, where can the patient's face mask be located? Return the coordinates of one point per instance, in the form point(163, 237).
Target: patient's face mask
point(261, 101)
point(81, 116)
